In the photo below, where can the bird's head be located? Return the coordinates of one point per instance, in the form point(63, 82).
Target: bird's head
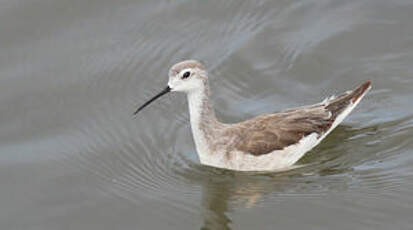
point(186, 76)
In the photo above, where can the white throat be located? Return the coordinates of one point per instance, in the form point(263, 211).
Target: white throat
point(200, 112)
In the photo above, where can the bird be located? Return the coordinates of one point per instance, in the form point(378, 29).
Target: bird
point(267, 142)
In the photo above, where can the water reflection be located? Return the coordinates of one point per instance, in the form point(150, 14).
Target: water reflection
point(233, 191)
point(215, 206)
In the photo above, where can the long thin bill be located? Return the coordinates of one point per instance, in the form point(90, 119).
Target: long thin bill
point(165, 91)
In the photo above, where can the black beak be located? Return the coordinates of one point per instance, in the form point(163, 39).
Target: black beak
point(165, 91)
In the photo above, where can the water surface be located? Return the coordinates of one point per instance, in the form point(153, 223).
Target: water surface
point(72, 73)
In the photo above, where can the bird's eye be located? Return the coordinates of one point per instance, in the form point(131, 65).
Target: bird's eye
point(186, 75)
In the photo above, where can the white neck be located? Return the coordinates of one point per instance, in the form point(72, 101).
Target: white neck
point(203, 120)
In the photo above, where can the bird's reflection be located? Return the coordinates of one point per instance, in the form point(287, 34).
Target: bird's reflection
point(234, 191)
point(220, 197)
point(215, 207)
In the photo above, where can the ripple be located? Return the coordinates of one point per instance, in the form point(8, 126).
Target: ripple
point(68, 96)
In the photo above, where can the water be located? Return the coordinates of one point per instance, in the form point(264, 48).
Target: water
point(72, 73)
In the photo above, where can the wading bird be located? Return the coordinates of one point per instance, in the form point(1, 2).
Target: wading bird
point(267, 142)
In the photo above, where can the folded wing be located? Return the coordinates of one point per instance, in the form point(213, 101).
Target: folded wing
point(271, 132)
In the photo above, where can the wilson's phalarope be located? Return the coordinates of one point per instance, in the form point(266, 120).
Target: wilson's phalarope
point(266, 142)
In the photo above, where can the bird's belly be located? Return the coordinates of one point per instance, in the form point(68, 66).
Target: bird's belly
point(273, 161)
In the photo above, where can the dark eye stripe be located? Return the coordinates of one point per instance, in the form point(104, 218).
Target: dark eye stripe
point(186, 75)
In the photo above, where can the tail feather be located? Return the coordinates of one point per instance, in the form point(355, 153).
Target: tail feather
point(340, 103)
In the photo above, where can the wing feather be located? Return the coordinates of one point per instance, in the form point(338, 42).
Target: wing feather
point(267, 133)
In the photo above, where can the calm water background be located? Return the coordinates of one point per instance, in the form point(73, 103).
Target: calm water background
point(72, 73)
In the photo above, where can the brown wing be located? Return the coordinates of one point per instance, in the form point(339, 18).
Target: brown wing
point(267, 133)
